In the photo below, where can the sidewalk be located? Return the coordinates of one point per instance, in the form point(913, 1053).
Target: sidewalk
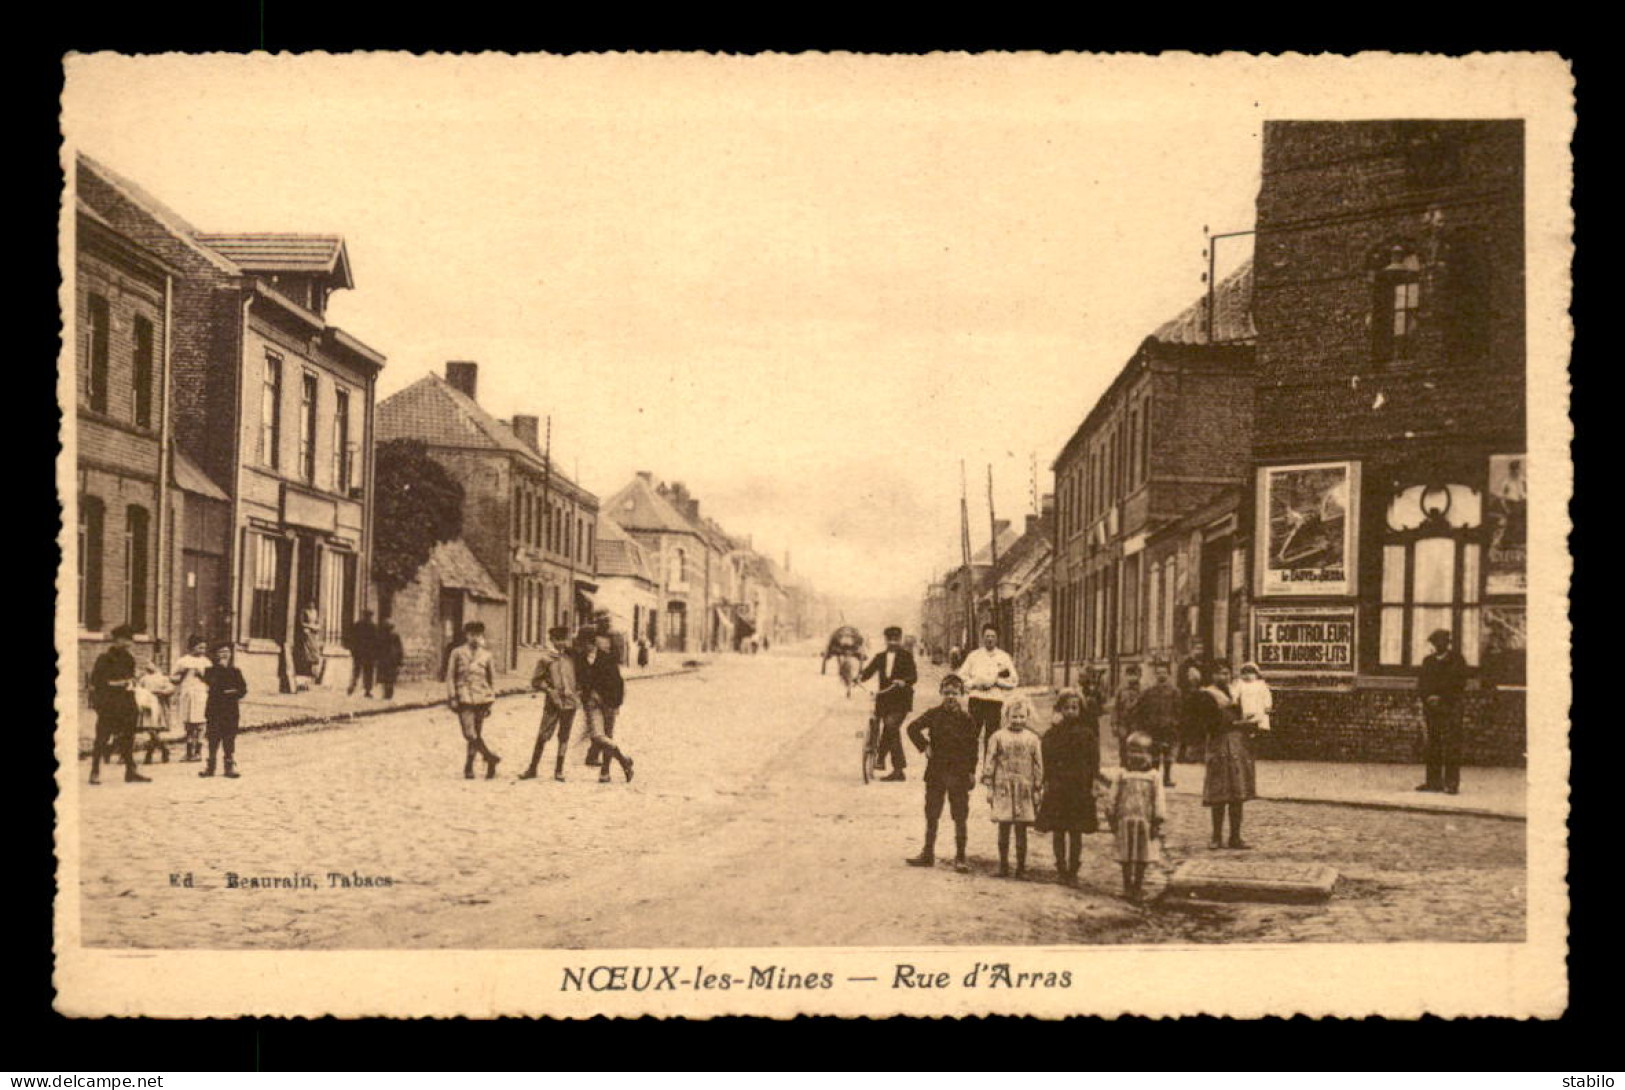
point(1485, 792)
point(330, 703)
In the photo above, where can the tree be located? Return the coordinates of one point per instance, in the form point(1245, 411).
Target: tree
point(416, 506)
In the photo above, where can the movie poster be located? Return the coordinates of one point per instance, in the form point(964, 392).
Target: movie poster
point(1307, 547)
point(1506, 521)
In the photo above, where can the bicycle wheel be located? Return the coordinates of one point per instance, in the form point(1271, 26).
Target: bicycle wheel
point(869, 751)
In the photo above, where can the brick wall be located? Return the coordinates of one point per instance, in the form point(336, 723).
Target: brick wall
point(1385, 725)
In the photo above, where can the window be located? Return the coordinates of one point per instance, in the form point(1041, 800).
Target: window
point(591, 551)
point(135, 567)
point(1129, 641)
point(581, 539)
point(338, 594)
point(679, 569)
point(91, 521)
point(1153, 607)
point(307, 428)
point(1145, 439)
point(1430, 573)
point(271, 413)
point(342, 455)
point(266, 559)
point(1396, 306)
point(142, 372)
point(98, 330)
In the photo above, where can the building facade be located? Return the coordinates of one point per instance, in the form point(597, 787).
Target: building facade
point(270, 410)
point(1170, 437)
point(1389, 491)
point(628, 585)
point(533, 530)
point(679, 553)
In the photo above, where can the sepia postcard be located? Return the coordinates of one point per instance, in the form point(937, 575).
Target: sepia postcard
point(862, 535)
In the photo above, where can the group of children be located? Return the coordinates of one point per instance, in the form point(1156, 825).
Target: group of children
point(201, 693)
point(1056, 784)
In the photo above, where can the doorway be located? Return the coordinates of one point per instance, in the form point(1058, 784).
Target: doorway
point(450, 613)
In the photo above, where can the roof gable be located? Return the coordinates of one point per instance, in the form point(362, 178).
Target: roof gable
point(639, 507)
point(285, 252)
point(433, 410)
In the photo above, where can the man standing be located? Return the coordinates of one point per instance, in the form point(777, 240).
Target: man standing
point(555, 678)
point(112, 694)
point(1156, 713)
point(602, 693)
point(895, 665)
point(363, 647)
point(1123, 711)
point(390, 656)
point(989, 674)
point(1442, 682)
point(471, 689)
point(947, 736)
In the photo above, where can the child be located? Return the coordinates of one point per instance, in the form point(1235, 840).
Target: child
point(1014, 774)
point(1253, 697)
point(226, 688)
point(1230, 781)
point(471, 689)
point(1136, 807)
point(1071, 751)
point(152, 692)
point(192, 698)
point(947, 735)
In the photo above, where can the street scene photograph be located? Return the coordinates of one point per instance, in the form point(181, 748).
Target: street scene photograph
point(589, 507)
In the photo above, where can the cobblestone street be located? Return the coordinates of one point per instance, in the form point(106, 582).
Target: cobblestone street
point(747, 825)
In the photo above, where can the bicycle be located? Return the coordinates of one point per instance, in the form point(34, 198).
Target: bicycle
point(871, 736)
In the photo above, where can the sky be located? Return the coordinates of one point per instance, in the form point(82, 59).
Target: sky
point(808, 288)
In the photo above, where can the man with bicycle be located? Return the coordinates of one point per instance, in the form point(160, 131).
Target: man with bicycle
point(895, 698)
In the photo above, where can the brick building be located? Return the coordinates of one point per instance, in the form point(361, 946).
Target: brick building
point(1016, 595)
point(964, 585)
point(270, 413)
point(531, 529)
point(1169, 440)
point(680, 553)
point(1389, 493)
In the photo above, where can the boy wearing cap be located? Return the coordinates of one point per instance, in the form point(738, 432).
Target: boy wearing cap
point(112, 681)
point(471, 684)
point(948, 737)
point(555, 678)
point(895, 666)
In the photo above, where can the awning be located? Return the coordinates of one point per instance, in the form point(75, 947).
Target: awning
point(189, 477)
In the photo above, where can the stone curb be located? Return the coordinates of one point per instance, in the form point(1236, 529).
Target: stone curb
point(386, 709)
point(1402, 807)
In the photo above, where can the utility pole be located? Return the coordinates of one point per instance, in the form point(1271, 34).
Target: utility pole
point(993, 548)
point(964, 555)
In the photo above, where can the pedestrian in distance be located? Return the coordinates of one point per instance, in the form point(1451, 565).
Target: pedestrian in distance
point(153, 690)
point(1441, 685)
point(603, 691)
point(1123, 710)
point(1229, 780)
point(471, 684)
point(363, 646)
point(1013, 770)
point(1137, 809)
point(555, 678)
point(948, 737)
point(990, 676)
point(390, 656)
point(1157, 713)
point(227, 687)
point(897, 676)
point(1071, 752)
point(112, 680)
point(192, 694)
point(643, 654)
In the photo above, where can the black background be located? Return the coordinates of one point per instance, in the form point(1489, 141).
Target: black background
point(38, 1040)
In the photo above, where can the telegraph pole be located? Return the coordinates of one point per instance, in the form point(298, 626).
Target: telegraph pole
point(964, 555)
point(993, 548)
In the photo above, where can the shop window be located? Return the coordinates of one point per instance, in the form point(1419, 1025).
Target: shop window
point(92, 519)
point(338, 594)
point(98, 331)
point(264, 614)
point(1431, 577)
point(141, 377)
point(271, 413)
point(135, 567)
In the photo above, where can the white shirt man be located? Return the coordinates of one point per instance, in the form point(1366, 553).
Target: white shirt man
point(989, 673)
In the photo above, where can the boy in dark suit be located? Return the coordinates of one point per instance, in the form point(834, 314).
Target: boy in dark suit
point(947, 735)
point(895, 666)
point(112, 694)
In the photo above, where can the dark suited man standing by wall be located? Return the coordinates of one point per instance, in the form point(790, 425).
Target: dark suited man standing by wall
point(895, 668)
point(363, 647)
point(1441, 684)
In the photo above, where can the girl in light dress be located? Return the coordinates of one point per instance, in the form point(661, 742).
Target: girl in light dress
point(192, 694)
point(1014, 775)
point(1137, 808)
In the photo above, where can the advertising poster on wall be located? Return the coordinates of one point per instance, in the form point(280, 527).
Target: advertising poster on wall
point(1290, 641)
point(1308, 519)
point(1507, 510)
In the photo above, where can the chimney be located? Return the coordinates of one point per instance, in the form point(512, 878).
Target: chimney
point(1047, 504)
point(646, 477)
point(1000, 526)
point(527, 428)
point(1032, 523)
point(463, 375)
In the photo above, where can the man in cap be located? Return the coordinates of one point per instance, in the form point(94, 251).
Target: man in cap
point(990, 676)
point(1441, 684)
point(555, 677)
point(947, 735)
point(112, 682)
point(895, 667)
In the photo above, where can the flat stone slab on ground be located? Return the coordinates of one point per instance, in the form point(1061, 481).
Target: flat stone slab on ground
point(1247, 880)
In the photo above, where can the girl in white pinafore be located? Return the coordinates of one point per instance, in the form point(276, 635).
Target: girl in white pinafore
point(192, 695)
